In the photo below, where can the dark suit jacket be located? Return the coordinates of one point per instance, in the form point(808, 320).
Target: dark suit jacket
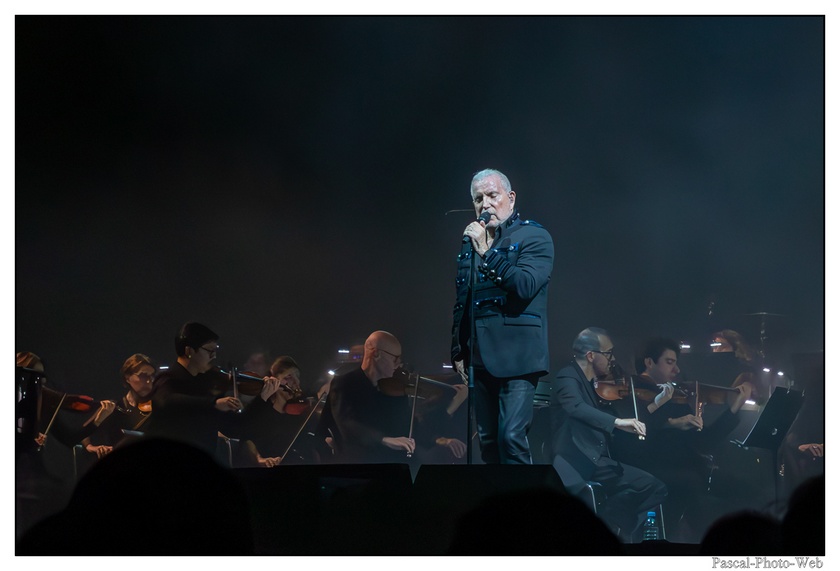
point(510, 301)
point(580, 431)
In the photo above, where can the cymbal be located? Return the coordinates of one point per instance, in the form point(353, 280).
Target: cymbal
point(764, 313)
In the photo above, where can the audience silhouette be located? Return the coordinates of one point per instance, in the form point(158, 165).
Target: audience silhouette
point(153, 497)
point(743, 533)
point(803, 524)
point(559, 524)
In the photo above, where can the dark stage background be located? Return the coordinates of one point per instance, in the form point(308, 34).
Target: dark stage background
point(285, 180)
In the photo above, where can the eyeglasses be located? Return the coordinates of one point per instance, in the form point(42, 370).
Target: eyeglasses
point(211, 352)
point(145, 377)
point(607, 354)
point(397, 358)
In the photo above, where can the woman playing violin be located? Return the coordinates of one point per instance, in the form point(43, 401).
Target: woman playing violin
point(730, 341)
point(134, 409)
point(272, 428)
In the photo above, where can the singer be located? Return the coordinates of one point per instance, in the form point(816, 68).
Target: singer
point(507, 301)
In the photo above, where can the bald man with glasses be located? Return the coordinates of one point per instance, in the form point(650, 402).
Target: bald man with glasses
point(581, 434)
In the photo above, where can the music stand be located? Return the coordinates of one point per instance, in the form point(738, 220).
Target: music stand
point(774, 421)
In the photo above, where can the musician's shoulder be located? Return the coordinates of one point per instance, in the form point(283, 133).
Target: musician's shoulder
point(531, 223)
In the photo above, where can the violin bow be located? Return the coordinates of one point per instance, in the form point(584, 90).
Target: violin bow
point(413, 406)
point(635, 406)
point(302, 426)
point(55, 414)
point(233, 382)
point(698, 406)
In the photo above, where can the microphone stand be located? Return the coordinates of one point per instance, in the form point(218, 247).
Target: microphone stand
point(485, 217)
point(471, 368)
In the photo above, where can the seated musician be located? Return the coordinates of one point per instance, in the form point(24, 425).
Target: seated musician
point(581, 431)
point(362, 422)
point(442, 415)
point(63, 430)
point(135, 407)
point(40, 486)
point(271, 432)
point(677, 443)
point(730, 341)
point(189, 400)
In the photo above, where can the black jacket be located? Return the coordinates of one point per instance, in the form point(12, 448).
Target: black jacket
point(510, 301)
point(580, 431)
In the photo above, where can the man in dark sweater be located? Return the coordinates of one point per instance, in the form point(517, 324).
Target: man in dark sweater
point(189, 399)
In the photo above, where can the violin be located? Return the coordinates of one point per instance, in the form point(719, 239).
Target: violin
point(38, 404)
point(611, 388)
point(404, 383)
point(69, 402)
point(413, 385)
point(705, 393)
point(248, 383)
point(618, 385)
point(700, 394)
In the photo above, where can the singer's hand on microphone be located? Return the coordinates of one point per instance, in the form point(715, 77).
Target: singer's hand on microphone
point(478, 236)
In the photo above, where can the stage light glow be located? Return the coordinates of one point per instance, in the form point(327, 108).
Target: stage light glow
point(344, 351)
point(766, 370)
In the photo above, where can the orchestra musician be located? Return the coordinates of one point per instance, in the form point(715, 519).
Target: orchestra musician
point(730, 341)
point(272, 429)
point(134, 409)
point(40, 486)
point(189, 400)
point(507, 305)
point(678, 443)
point(369, 415)
point(581, 431)
point(445, 418)
point(365, 424)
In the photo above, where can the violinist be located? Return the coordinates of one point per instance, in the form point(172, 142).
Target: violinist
point(41, 487)
point(273, 427)
point(188, 399)
point(364, 424)
point(749, 362)
point(134, 410)
point(53, 419)
point(678, 443)
point(443, 415)
point(581, 432)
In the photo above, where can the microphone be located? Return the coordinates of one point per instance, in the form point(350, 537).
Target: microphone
point(485, 217)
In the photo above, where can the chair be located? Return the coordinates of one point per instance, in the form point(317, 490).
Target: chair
point(597, 496)
point(77, 450)
point(228, 442)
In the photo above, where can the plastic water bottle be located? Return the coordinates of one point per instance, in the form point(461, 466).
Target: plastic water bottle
point(650, 529)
